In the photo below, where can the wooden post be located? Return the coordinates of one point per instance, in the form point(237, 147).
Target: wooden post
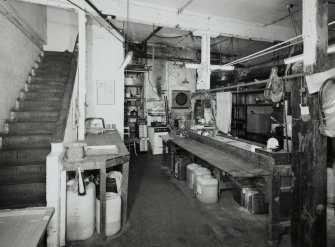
point(124, 192)
point(308, 214)
point(103, 203)
point(204, 71)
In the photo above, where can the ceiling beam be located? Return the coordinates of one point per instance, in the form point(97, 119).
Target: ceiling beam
point(190, 21)
point(151, 34)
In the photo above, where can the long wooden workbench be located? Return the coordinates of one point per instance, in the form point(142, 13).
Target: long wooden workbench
point(103, 162)
point(237, 162)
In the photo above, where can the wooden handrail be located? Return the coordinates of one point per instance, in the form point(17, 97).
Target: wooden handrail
point(59, 132)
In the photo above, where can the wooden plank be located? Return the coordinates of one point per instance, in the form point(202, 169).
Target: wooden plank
point(24, 227)
point(309, 147)
point(221, 159)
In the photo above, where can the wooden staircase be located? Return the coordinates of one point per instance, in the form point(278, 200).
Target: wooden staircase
point(29, 131)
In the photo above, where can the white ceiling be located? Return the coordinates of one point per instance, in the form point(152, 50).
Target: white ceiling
point(259, 11)
point(263, 12)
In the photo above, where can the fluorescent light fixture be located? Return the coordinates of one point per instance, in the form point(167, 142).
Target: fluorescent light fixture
point(299, 58)
point(213, 67)
point(192, 66)
point(126, 60)
point(293, 59)
point(222, 67)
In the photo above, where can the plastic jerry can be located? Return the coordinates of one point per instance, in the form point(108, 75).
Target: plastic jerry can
point(190, 174)
point(80, 213)
point(197, 173)
point(113, 213)
point(207, 189)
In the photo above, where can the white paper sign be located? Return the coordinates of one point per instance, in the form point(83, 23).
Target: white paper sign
point(106, 92)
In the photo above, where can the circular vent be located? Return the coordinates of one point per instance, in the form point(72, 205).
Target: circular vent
point(181, 99)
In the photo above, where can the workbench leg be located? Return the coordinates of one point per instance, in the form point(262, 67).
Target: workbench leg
point(102, 203)
point(172, 155)
point(164, 148)
point(124, 192)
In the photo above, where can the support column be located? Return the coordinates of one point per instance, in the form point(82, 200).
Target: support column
point(204, 72)
point(308, 216)
point(81, 73)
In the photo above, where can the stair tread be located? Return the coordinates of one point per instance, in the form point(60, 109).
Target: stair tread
point(23, 181)
point(30, 121)
point(26, 149)
point(37, 202)
point(28, 134)
point(29, 163)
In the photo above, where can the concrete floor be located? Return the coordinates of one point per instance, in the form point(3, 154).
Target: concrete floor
point(163, 212)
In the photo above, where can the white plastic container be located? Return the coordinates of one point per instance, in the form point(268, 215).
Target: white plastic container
point(330, 186)
point(80, 213)
point(113, 214)
point(118, 178)
point(190, 174)
point(207, 189)
point(197, 173)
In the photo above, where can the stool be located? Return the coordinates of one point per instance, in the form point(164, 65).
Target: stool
point(131, 141)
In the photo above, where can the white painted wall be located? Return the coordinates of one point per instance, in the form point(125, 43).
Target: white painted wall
point(34, 14)
point(105, 54)
point(18, 55)
point(62, 29)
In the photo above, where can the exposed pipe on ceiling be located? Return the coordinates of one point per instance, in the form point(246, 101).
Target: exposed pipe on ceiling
point(105, 17)
point(184, 7)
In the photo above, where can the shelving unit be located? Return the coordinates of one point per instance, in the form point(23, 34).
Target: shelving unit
point(240, 116)
point(134, 98)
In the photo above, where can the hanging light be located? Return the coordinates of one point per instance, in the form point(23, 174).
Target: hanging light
point(126, 60)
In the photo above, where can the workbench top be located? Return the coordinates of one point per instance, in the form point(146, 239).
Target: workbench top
point(24, 227)
point(99, 161)
point(231, 164)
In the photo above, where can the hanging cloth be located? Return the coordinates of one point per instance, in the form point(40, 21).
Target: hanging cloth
point(224, 110)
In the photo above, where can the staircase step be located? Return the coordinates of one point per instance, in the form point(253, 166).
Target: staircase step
point(23, 155)
point(34, 115)
point(44, 105)
point(36, 127)
point(22, 173)
point(45, 87)
point(25, 141)
point(41, 96)
point(46, 79)
point(21, 195)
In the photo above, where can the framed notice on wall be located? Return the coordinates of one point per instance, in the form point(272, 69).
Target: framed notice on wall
point(106, 92)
